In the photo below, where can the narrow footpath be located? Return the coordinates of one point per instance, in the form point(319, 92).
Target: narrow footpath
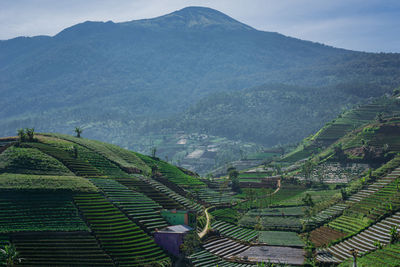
point(206, 228)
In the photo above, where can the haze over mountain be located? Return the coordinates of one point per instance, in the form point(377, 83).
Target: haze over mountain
point(120, 79)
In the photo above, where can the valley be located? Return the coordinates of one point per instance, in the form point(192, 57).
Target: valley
point(66, 194)
point(193, 139)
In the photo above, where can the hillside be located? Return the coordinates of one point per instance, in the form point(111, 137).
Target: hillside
point(345, 124)
point(143, 72)
point(67, 194)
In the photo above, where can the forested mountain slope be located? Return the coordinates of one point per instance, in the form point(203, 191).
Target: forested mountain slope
point(142, 71)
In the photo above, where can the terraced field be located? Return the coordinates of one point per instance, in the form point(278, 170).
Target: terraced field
point(143, 210)
point(60, 249)
point(205, 258)
point(172, 173)
point(125, 159)
point(363, 208)
point(342, 125)
point(227, 215)
point(324, 235)
point(145, 188)
point(388, 256)
point(76, 165)
point(234, 232)
point(283, 219)
point(122, 239)
point(188, 204)
point(27, 212)
point(364, 242)
point(224, 247)
point(280, 238)
point(30, 161)
point(326, 215)
point(215, 198)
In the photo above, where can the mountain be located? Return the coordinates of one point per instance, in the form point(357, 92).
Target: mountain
point(117, 79)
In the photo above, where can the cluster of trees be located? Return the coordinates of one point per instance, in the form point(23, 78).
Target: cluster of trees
point(26, 135)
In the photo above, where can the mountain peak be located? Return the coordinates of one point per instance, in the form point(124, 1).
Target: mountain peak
point(194, 17)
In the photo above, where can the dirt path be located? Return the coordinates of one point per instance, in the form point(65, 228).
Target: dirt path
point(205, 230)
point(279, 188)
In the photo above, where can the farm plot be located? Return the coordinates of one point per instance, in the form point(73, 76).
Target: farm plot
point(363, 242)
point(101, 163)
point(371, 206)
point(13, 182)
point(60, 248)
point(77, 166)
point(349, 224)
point(137, 206)
point(326, 215)
point(379, 203)
point(172, 173)
point(289, 211)
point(189, 204)
point(289, 223)
point(324, 235)
point(316, 195)
point(235, 232)
point(388, 256)
point(30, 161)
point(258, 199)
point(213, 197)
point(27, 212)
point(123, 158)
point(122, 239)
point(283, 219)
point(224, 247)
point(147, 189)
point(226, 215)
point(280, 238)
point(205, 258)
point(274, 254)
point(85, 154)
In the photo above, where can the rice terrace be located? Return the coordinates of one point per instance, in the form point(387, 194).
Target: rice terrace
point(193, 139)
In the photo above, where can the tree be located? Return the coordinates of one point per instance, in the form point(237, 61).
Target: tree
point(21, 135)
point(9, 255)
point(307, 200)
point(394, 235)
point(234, 177)
point(78, 131)
point(30, 132)
point(343, 193)
point(191, 242)
point(339, 153)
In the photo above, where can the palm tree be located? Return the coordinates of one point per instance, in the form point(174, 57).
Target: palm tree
point(10, 255)
point(78, 132)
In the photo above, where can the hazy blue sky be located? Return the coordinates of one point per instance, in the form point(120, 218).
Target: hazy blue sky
point(366, 25)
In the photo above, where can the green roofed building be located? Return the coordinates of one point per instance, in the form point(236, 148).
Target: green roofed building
point(177, 217)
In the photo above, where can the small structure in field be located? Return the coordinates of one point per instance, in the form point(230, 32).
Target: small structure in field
point(171, 238)
point(177, 217)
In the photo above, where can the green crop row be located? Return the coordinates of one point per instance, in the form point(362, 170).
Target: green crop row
point(22, 211)
point(30, 161)
point(121, 238)
point(122, 157)
point(137, 206)
point(235, 232)
point(13, 181)
point(387, 256)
